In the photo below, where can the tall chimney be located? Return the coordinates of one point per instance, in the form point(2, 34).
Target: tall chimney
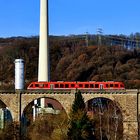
point(43, 69)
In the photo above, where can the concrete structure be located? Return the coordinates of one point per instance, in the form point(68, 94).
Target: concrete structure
point(43, 69)
point(19, 74)
point(127, 101)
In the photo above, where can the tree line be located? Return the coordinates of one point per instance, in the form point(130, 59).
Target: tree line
point(71, 60)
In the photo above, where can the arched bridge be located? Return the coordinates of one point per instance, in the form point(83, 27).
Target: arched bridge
point(127, 100)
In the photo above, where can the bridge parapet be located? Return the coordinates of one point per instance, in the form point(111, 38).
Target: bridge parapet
point(103, 91)
point(132, 91)
point(7, 92)
point(74, 91)
point(83, 91)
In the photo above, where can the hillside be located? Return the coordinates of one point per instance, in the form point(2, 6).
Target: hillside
point(71, 60)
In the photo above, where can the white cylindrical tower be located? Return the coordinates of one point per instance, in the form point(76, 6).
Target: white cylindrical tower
point(19, 74)
point(43, 69)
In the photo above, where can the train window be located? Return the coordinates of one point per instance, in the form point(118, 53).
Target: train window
point(96, 86)
point(80, 85)
point(116, 85)
point(111, 85)
point(122, 85)
point(107, 85)
point(91, 85)
point(46, 85)
point(56, 85)
point(66, 85)
point(61, 86)
point(72, 85)
point(86, 85)
point(36, 85)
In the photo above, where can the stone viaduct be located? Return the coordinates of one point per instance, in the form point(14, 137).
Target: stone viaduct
point(127, 100)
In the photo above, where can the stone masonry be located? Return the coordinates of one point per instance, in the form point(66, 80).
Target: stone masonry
point(127, 101)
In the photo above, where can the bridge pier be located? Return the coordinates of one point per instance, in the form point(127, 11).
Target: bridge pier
point(15, 105)
point(130, 130)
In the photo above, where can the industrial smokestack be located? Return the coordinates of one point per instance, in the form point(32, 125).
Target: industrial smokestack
point(19, 74)
point(43, 69)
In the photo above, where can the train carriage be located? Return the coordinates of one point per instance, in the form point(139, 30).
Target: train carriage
point(77, 85)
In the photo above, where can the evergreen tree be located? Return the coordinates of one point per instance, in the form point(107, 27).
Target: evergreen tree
point(80, 127)
point(78, 103)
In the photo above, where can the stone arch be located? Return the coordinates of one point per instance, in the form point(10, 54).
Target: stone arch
point(114, 98)
point(27, 113)
point(61, 98)
point(57, 105)
point(116, 115)
point(110, 99)
point(5, 101)
point(8, 103)
point(7, 114)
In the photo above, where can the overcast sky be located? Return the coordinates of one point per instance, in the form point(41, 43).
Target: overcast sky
point(21, 17)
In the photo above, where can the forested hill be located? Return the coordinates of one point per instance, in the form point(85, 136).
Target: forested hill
point(71, 59)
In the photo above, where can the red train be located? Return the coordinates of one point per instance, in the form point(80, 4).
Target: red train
point(76, 85)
